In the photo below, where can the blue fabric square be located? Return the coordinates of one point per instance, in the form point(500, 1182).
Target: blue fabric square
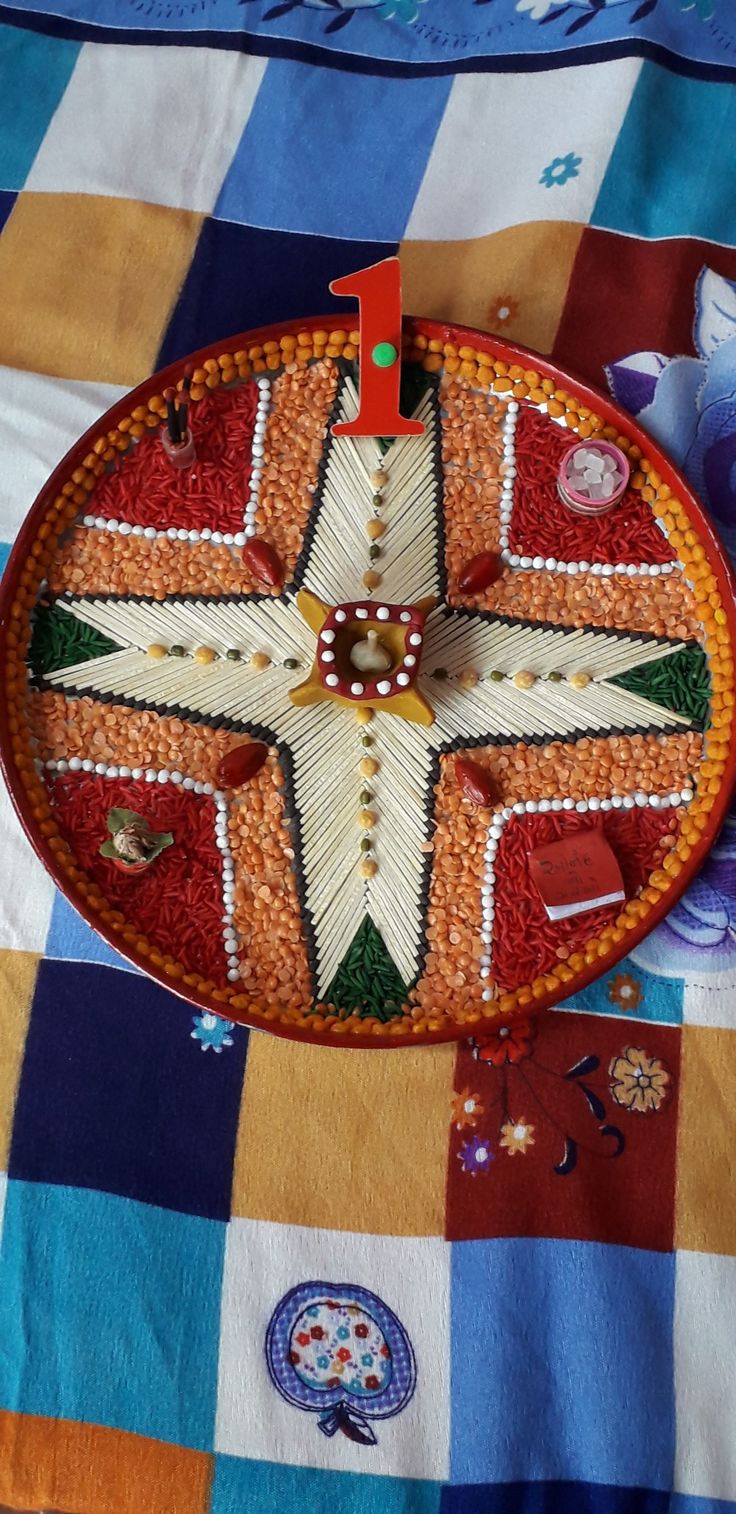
point(71, 939)
point(109, 1313)
point(239, 1485)
point(552, 1498)
point(572, 1332)
point(114, 1093)
point(684, 1503)
point(241, 277)
point(641, 995)
point(34, 72)
point(326, 141)
point(671, 170)
point(7, 201)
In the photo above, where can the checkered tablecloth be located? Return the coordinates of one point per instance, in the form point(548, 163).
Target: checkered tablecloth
point(558, 1313)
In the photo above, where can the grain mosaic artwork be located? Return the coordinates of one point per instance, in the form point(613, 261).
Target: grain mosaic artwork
point(357, 682)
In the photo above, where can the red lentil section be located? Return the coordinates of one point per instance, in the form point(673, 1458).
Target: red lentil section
point(600, 766)
point(542, 524)
point(295, 437)
point(666, 607)
point(472, 458)
point(144, 489)
point(177, 899)
point(526, 943)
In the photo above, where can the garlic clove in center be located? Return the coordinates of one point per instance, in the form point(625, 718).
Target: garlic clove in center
point(369, 655)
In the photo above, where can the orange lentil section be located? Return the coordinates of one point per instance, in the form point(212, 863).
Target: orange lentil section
point(295, 437)
point(266, 913)
point(594, 766)
point(103, 562)
point(450, 983)
point(665, 607)
point(472, 458)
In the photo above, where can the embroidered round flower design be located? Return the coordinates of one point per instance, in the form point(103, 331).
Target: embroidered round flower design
point(517, 1135)
point(466, 1110)
point(512, 1043)
point(625, 992)
point(560, 170)
point(639, 1082)
point(339, 1351)
point(340, 1344)
point(475, 1156)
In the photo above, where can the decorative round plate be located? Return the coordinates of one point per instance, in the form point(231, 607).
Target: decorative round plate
point(421, 747)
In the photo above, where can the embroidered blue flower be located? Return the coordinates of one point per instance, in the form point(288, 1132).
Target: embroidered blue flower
point(400, 10)
point(211, 1031)
point(476, 1156)
point(560, 170)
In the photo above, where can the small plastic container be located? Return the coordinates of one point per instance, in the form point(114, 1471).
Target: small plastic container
point(180, 454)
point(582, 504)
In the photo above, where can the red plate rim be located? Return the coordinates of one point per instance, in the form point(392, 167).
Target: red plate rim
point(433, 330)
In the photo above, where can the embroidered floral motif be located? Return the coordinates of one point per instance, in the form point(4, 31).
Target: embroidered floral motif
point(625, 991)
point(466, 1110)
point(512, 1043)
point(517, 1135)
point(212, 1032)
point(560, 170)
point(639, 1081)
point(339, 1351)
point(476, 1156)
point(502, 311)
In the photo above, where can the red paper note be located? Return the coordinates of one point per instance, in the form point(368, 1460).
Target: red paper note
point(575, 874)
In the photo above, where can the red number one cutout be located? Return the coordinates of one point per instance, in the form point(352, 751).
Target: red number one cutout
point(378, 291)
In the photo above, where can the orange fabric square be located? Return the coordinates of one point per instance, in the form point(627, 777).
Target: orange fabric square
point(513, 282)
point(86, 1469)
point(17, 982)
point(705, 1217)
point(89, 283)
point(345, 1140)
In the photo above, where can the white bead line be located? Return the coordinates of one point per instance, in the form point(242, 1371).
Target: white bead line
point(257, 455)
point(172, 533)
point(218, 538)
point(554, 564)
point(636, 800)
point(232, 944)
point(195, 786)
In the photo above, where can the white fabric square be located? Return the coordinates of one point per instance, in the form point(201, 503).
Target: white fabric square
point(167, 121)
point(705, 1374)
point(501, 134)
point(27, 894)
point(711, 1000)
point(263, 1262)
point(40, 418)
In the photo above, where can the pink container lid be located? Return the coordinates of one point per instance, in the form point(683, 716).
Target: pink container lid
point(582, 503)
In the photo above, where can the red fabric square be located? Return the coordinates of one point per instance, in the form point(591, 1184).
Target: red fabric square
point(567, 1129)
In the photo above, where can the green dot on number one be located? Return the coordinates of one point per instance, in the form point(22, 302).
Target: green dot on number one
point(384, 354)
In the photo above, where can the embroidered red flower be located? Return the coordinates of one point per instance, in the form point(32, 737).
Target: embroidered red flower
point(343, 1355)
point(512, 1043)
point(303, 1338)
point(294, 1357)
point(316, 1332)
point(361, 1331)
point(372, 1381)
